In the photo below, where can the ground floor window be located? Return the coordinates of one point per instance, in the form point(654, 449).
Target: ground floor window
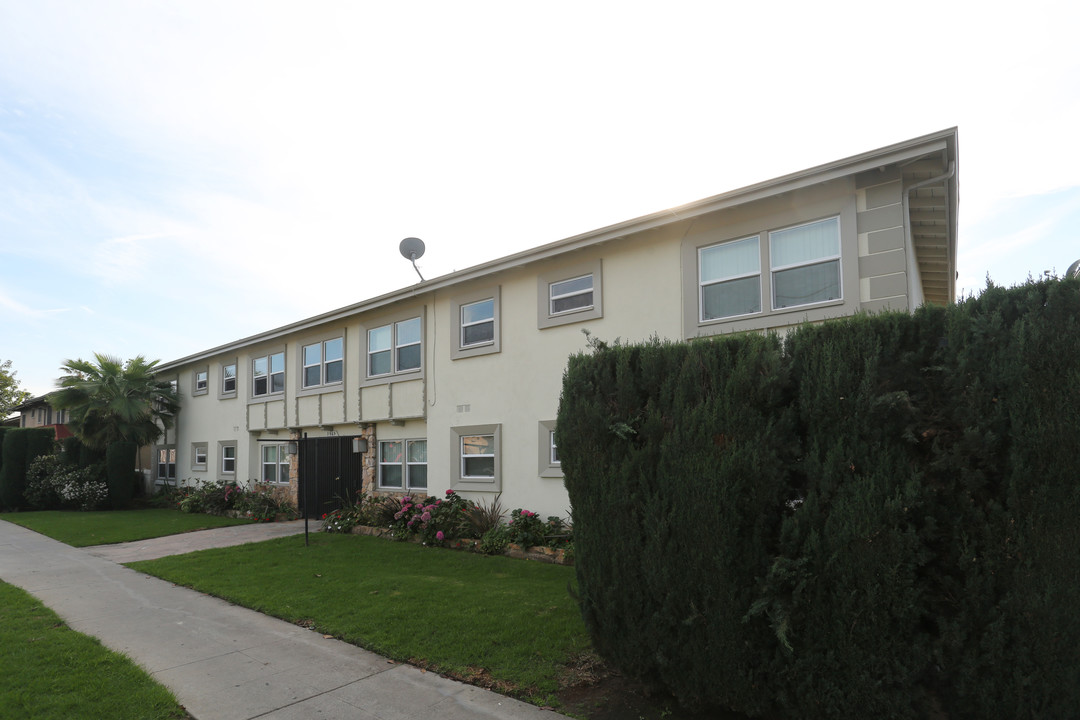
point(166, 464)
point(403, 464)
point(275, 463)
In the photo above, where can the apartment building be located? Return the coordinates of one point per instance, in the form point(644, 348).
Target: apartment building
point(454, 382)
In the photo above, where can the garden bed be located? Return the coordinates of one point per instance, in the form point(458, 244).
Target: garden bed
point(540, 553)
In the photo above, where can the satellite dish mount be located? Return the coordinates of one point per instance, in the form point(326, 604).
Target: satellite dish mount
point(412, 248)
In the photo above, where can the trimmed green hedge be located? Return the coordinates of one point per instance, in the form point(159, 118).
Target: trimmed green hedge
point(879, 520)
point(20, 447)
point(119, 473)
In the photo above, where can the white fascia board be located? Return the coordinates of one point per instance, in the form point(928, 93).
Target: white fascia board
point(900, 152)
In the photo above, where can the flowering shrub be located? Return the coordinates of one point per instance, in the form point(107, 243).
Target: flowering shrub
point(525, 528)
point(52, 483)
point(211, 496)
point(345, 518)
point(433, 521)
point(263, 503)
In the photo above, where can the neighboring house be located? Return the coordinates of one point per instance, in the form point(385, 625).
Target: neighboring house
point(36, 412)
point(454, 382)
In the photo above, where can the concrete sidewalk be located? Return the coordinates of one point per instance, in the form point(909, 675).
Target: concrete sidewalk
point(223, 661)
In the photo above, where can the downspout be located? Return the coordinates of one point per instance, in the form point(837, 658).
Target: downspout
point(914, 279)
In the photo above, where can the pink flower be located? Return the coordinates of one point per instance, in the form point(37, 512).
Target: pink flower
point(439, 535)
point(426, 516)
point(449, 492)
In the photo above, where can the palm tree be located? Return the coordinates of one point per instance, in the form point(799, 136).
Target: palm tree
point(114, 400)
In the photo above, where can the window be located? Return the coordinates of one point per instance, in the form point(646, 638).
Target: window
point(805, 263)
point(228, 379)
point(395, 348)
point(403, 464)
point(478, 323)
point(477, 458)
point(571, 295)
point(166, 464)
point(323, 363)
point(475, 319)
point(228, 459)
point(202, 382)
point(730, 279)
point(547, 451)
point(275, 463)
point(198, 456)
point(268, 374)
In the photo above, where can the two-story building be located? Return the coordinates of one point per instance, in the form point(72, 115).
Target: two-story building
point(454, 382)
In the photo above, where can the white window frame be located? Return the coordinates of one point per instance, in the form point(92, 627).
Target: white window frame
point(269, 374)
point(223, 459)
point(392, 326)
point(323, 364)
point(546, 286)
point(702, 284)
point(458, 349)
point(464, 325)
point(282, 464)
point(199, 449)
point(478, 483)
point(224, 391)
point(554, 294)
point(165, 457)
point(549, 465)
point(404, 465)
point(200, 384)
point(833, 258)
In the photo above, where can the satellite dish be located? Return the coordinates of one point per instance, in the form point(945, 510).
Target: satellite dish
point(410, 249)
point(1074, 270)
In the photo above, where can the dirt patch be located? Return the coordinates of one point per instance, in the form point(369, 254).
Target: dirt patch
point(594, 691)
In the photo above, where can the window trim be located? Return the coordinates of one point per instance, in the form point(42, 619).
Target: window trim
point(392, 321)
point(282, 448)
point(545, 442)
point(269, 394)
point(838, 258)
point(458, 480)
point(544, 282)
point(171, 458)
point(195, 464)
point(301, 362)
point(224, 474)
point(457, 350)
point(222, 392)
point(702, 284)
point(834, 199)
point(404, 465)
point(205, 389)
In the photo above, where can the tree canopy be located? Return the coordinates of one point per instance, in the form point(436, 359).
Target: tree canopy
point(111, 400)
point(10, 393)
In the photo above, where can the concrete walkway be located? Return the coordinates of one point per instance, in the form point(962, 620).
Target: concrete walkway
point(225, 662)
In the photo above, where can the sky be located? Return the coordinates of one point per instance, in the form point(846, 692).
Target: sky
point(178, 175)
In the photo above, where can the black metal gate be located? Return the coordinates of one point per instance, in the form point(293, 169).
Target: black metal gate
point(329, 471)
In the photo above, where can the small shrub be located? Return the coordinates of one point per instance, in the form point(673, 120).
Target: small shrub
point(212, 497)
point(263, 503)
point(495, 541)
point(526, 528)
point(485, 516)
point(349, 515)
point(40, 490)
point(82, 488)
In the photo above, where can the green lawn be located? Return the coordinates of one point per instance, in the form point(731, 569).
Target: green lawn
point(474, 617)
point(49, 671)
point(81, 529)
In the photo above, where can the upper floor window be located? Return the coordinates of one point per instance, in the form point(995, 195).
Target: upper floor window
point(478, 323)
point(730, 279)
point(268, 374)
point(396, 347)
point(323, 362)
point(570, 295)
point(805, 263)
point(228, 379)
point(202, 382)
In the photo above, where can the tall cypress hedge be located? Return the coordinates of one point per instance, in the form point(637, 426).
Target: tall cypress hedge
point(119, 472)
point(881, 520)
point(20, 447)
